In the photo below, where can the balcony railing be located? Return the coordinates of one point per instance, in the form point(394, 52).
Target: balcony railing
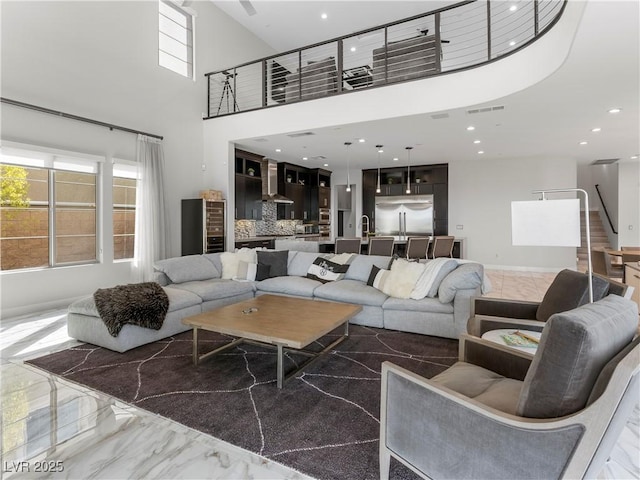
point(462, 36)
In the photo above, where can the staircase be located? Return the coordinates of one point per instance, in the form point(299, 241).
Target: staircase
point(599, 238)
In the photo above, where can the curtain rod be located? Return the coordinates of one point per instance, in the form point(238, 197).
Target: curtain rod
point(110, 126)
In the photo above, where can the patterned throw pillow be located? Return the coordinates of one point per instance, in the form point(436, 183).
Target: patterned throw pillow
point(330, 269)
point(378, 277)
point(248, 272)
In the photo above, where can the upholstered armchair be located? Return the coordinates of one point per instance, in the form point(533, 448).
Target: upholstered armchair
point(568, 290)
point(556, 415)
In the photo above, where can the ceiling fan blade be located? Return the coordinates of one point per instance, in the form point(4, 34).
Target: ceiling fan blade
point(248, 7)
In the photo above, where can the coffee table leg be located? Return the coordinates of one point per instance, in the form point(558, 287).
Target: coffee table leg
point(195, 346)
point(280, 366)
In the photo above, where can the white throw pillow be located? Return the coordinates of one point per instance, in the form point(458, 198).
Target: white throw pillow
point(402, 279)
point(230, 261)
point(246, 272)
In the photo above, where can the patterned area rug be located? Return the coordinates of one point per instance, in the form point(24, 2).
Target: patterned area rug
point(324, 422)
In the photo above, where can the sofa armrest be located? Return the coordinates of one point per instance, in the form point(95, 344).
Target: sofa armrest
point(501, 359)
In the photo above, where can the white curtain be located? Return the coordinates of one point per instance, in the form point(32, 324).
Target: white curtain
point(152, 230)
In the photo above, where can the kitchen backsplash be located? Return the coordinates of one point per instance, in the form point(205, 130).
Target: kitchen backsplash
point(269, 225)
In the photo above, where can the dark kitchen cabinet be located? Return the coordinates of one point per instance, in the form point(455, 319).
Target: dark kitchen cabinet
point(248, 197)
point(294, 183)
point(424, 180)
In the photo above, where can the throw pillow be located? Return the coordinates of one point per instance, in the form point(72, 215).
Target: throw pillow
point(276, 260)
point(466, 276)
point(248, 272)
point(330, 269)
point(402, 278)
point(433, 274)
point(230, 261)
point(187, 269)
point(378, 277)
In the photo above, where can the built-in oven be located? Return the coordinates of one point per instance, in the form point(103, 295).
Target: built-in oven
point(325, 216)
point(324, 230)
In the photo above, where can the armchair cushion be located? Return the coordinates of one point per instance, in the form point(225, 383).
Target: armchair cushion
point(487, 387)
point(569, 290)
point(574, 347)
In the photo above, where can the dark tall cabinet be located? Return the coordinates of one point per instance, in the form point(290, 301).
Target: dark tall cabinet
point(202, 226)
point(424, 180)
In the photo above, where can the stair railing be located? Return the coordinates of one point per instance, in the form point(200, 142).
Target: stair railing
point(606, 212)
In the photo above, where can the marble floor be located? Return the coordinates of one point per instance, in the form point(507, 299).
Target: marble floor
point(52, 428)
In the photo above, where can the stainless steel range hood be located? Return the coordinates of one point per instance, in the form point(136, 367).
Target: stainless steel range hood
point(270, 182)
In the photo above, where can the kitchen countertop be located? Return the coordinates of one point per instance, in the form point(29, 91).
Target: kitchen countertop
point(323, 241)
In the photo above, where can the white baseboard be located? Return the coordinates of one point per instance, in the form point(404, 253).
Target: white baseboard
point(526, 269)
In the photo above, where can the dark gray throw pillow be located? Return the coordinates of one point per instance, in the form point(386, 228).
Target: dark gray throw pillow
point(276, 260)
point(263, 271)
point(569, 290)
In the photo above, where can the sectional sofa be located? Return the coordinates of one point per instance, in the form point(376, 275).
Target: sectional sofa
point(194, 284)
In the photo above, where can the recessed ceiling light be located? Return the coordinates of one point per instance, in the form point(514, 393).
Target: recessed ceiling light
point(380, 151)
point(513, 8)
point(633, 157)
point(583, 143)
point(278, 150)
point(353, 49)
point(305, 158)
point(480, 152)
point(326, 164)
point(512, 43)
point(476, 141)
point(615, 110)
point(596, 130)
point(471, 127)
point(323, 16)
point(395, 159)
point(361, 140)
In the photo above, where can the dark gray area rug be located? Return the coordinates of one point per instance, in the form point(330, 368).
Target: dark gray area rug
point(324, 422)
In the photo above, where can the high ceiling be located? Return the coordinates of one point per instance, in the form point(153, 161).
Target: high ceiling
point(549, 119)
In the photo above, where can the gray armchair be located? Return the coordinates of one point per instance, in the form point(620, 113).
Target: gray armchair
point(568, 290)
point(556, 415)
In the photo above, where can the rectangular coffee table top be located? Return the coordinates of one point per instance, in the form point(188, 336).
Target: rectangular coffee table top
point(291, 322)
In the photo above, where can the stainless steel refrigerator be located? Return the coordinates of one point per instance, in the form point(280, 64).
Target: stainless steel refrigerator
point(404, 216)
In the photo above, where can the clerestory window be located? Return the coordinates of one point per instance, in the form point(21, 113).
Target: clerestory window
point(175, 38)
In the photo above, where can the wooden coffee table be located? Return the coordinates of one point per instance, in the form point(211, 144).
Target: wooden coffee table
point(284, 322)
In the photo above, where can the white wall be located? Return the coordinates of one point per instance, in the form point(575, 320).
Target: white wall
point(480, 196)
point(99, 60)
point(629, 203)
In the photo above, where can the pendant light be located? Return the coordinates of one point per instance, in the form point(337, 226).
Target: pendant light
point(408, 191)
point(379, 147)
point(348, 144)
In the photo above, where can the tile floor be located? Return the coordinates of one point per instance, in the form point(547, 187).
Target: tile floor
point(52, 428)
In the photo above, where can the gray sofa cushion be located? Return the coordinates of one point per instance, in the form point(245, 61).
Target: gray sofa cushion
point(574, 347)
point(350, 291)
point(299, 262)
point(187, 269)
point(297, 286)
point(569, 290)
point(216, 288)
point(178, 299)
point(483, 385)
point(277, 261)
point(215, 259)
point(466, 276)
point(360, 266)
point(430, 305)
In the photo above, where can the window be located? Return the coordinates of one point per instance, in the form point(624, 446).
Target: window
point(175, 32)
point(48, 210)
point(124, 210)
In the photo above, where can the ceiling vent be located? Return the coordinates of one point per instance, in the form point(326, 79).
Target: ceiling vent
point(260, 140)
point(605, 161)
point(496, 108)
point(301, 134)
point(319, 157)
point(440, 116)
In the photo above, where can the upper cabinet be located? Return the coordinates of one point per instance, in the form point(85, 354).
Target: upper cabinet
point(248, 197)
